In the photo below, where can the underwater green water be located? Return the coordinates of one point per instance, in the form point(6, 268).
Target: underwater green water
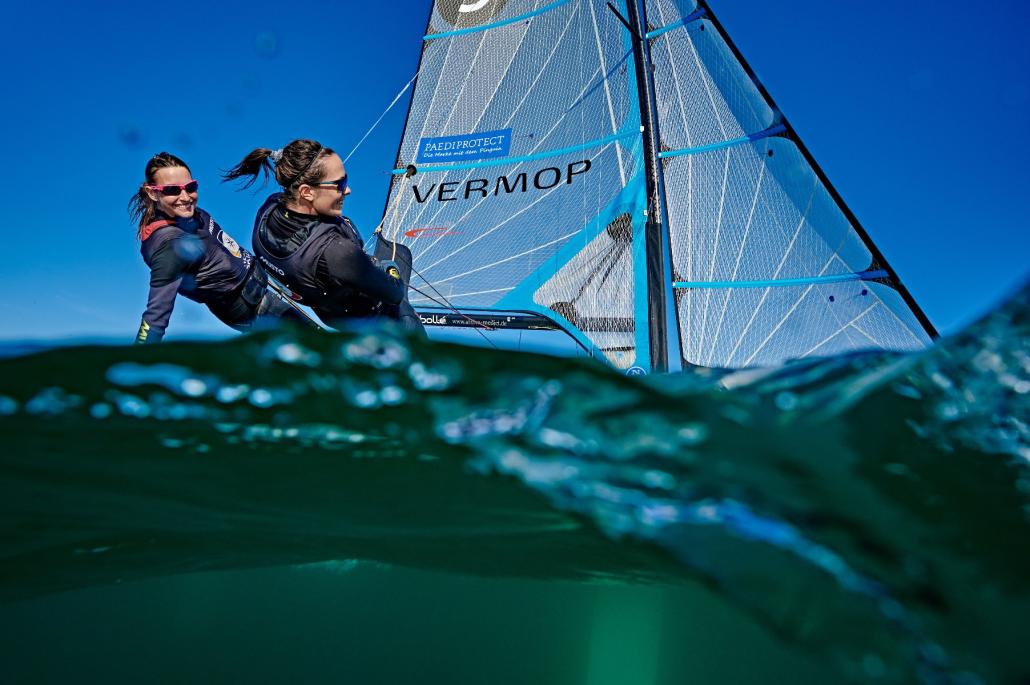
point(367, 508)
point(377, 624)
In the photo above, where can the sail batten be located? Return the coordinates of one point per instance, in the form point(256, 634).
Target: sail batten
point(685, 21)
point(750, 138)
point(780, 282)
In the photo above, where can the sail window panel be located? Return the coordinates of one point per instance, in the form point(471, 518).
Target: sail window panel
point(559, 79)
point(704, 96)
point(477, 246)
point(742, 327)
point(594, 291)
point(739, 214)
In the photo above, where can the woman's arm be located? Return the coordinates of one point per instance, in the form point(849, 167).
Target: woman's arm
point(168, 265)
point(348, 266)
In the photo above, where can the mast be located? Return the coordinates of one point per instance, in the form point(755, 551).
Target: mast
point(659, 280)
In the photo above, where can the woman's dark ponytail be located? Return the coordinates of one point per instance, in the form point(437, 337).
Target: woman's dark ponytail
point(257, 161)
point(300, 162)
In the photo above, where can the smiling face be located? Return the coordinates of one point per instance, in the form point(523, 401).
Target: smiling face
point(181, 205)
point(327, 200)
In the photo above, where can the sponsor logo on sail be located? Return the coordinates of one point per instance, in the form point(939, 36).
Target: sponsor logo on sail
point(479, 188)
point(465, 148)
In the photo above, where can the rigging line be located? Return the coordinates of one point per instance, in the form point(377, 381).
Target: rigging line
point(514, 111)
point(477, 324)
point(536, 147)
point(483, 292)
point(443, 69)
point(388, 108)
point(408, 173)
point(454, 104)
point(540, 72)
point(446, 302)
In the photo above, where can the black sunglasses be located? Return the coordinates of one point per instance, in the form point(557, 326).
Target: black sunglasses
point(341, 184)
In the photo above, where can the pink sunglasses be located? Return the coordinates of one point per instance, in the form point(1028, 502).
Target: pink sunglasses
point(173, 189)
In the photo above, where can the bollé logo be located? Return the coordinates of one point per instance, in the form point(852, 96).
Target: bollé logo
point(467, 13)
point(433, 320)
point(546, 178)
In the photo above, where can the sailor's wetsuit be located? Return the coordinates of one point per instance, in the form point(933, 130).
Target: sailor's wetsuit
point(196, 258)
point(322, 261)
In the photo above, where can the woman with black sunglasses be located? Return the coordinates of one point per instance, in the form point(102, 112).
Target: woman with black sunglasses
point(303, 240)
point(189, 253)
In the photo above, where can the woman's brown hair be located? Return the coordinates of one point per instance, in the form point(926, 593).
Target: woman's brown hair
point(301, 162)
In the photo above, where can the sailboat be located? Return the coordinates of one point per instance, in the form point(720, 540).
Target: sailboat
point(611, 178)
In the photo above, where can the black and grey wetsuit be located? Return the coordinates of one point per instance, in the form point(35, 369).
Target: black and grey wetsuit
point(196, 258)
point(322, 260)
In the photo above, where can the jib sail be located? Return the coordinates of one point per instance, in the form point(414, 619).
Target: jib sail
point(768, 263)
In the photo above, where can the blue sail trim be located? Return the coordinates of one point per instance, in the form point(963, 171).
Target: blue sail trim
point(525, 158)
point(629, 201)
point(503, 22)
point(835, 278)
point(750, 138)
point(692, 17)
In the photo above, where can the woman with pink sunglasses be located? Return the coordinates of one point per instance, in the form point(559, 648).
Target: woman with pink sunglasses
point(188, 253)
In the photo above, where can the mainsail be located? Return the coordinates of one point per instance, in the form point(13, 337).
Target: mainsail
point(614, 171)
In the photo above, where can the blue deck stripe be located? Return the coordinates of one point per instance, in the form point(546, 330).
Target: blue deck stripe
point(693, 16)
point(525, 158)
point(836, 278)
point(771, 131)
point(503, 22)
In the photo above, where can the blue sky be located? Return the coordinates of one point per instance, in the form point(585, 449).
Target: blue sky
point(916, 112)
